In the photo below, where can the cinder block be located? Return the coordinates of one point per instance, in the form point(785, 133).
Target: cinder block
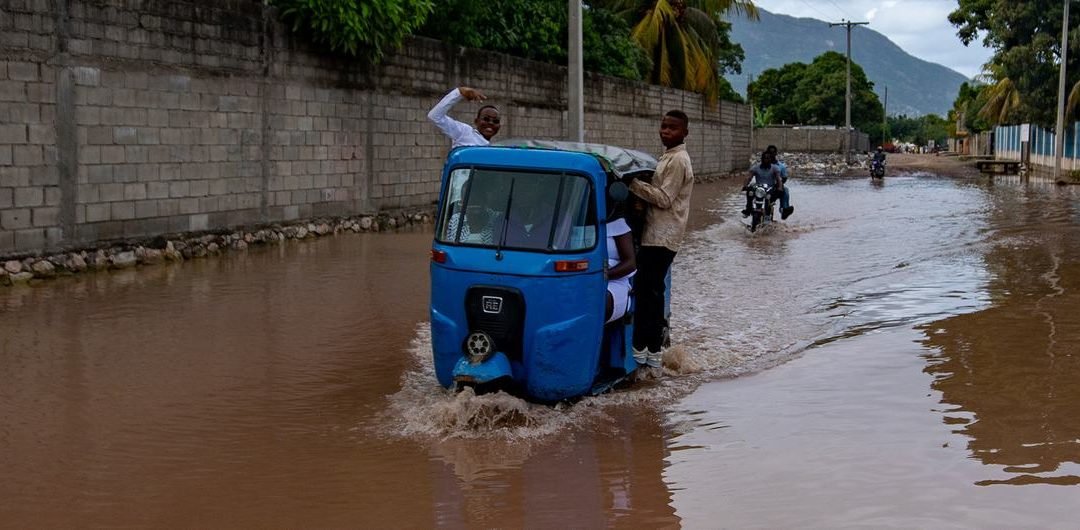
point(123, 210)
point(15, 219)
point(13, 91)
point(45, 217)
point(29, 197)
point(41, 134)
point(86, 76)
point(124, 135)
point(7, 242)
point(198, 223)
point(111, 192)
point(157, 190)
point(144, 209)
point(96, 213)
point(189, 205)
point(13, 133)
point(179, 189)
point(136, 191)
point(199, 188)
point(112, 154)
point(28, 155)
point(30, 240)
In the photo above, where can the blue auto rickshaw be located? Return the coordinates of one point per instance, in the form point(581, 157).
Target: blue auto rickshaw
point(517, 269)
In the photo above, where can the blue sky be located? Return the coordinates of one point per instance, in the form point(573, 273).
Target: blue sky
point(920, 27)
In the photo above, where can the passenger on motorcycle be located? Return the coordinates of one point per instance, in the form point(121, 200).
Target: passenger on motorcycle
point(785, 200)
point(879, 155)
point(767, 173)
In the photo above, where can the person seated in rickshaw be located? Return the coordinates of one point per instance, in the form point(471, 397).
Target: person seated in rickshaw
point(621, 266)
point(478, 224)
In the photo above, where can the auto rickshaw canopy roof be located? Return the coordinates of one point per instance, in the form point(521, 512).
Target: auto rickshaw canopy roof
point(618, 160)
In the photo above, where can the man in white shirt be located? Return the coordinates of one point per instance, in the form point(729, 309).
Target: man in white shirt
point(484, 128)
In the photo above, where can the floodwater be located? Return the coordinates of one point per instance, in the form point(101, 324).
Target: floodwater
point(898, 354)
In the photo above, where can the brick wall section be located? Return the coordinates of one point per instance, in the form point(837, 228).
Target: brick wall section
point(123, 118)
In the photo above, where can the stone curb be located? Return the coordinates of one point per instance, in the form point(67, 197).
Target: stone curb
point(183, 247)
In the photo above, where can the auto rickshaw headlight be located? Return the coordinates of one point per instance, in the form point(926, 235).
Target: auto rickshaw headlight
point(479, 346)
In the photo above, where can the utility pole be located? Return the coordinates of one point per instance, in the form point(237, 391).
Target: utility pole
point(1059, 132)
point(847, 99)
point(885, 118)
point(576, 99)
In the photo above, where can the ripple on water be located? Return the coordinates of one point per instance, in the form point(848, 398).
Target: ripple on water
point(848, 263)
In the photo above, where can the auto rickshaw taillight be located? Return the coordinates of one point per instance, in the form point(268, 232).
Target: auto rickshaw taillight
point(438, 256)
point(580, 265)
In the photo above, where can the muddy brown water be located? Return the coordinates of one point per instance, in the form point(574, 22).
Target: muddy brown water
point(898, 354)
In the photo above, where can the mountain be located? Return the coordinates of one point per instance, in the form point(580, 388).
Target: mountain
point(916, 87)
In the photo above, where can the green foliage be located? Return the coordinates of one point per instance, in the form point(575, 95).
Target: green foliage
point(537, 30)
point(608, 48)
point(726, 92)
point(920, 130)
point(368, 28)
point(971, 98)
point(813, 94)
point(1026, 38)
point(687, 41)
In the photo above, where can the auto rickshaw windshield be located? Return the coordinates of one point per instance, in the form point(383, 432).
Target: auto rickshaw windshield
point(518, 210)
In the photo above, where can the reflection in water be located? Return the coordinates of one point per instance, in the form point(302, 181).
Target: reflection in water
point(1011, 370)
point(606, 477)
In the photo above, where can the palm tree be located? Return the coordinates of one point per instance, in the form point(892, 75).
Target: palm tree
point(681, 37)
point(1073, 103)
point(1001, 97)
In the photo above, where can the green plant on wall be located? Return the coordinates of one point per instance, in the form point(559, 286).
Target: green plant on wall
point(365, 28)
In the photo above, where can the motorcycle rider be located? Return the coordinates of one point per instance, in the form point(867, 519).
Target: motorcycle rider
point(785, 200)
point(767, 173)
point(879, 157)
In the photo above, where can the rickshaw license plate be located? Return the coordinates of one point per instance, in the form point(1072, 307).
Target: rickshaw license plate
point(492, 304)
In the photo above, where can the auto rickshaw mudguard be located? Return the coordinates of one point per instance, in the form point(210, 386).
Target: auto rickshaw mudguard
point(492, 368)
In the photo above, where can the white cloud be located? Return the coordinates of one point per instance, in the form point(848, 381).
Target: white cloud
point(920, 27)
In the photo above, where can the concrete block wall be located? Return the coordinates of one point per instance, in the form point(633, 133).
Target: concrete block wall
point(127, 119)
point(808, 140)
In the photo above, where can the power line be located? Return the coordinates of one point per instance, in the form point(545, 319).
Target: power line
point(818, 11)
point(842, 10)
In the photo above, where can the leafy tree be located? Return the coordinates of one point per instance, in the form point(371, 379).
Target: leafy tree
point(1026, 37)
point(537, 29)
point(773, 92)
point(813, 94)
point(686, 40)
point(368, 28)
point(919, 130)
point(607, 47)
point(969, 101)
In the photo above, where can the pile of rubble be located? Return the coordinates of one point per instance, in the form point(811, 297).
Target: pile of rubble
point(192, 246)
point(816, 164)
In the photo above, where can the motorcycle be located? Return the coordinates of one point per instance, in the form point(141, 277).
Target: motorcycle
point(762, 205)
point(877, 169)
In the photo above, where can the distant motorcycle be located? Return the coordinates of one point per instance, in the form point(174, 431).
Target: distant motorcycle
point(762, 207)
point(877, 169)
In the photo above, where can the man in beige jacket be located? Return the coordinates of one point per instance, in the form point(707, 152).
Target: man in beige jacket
point(668, 197)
